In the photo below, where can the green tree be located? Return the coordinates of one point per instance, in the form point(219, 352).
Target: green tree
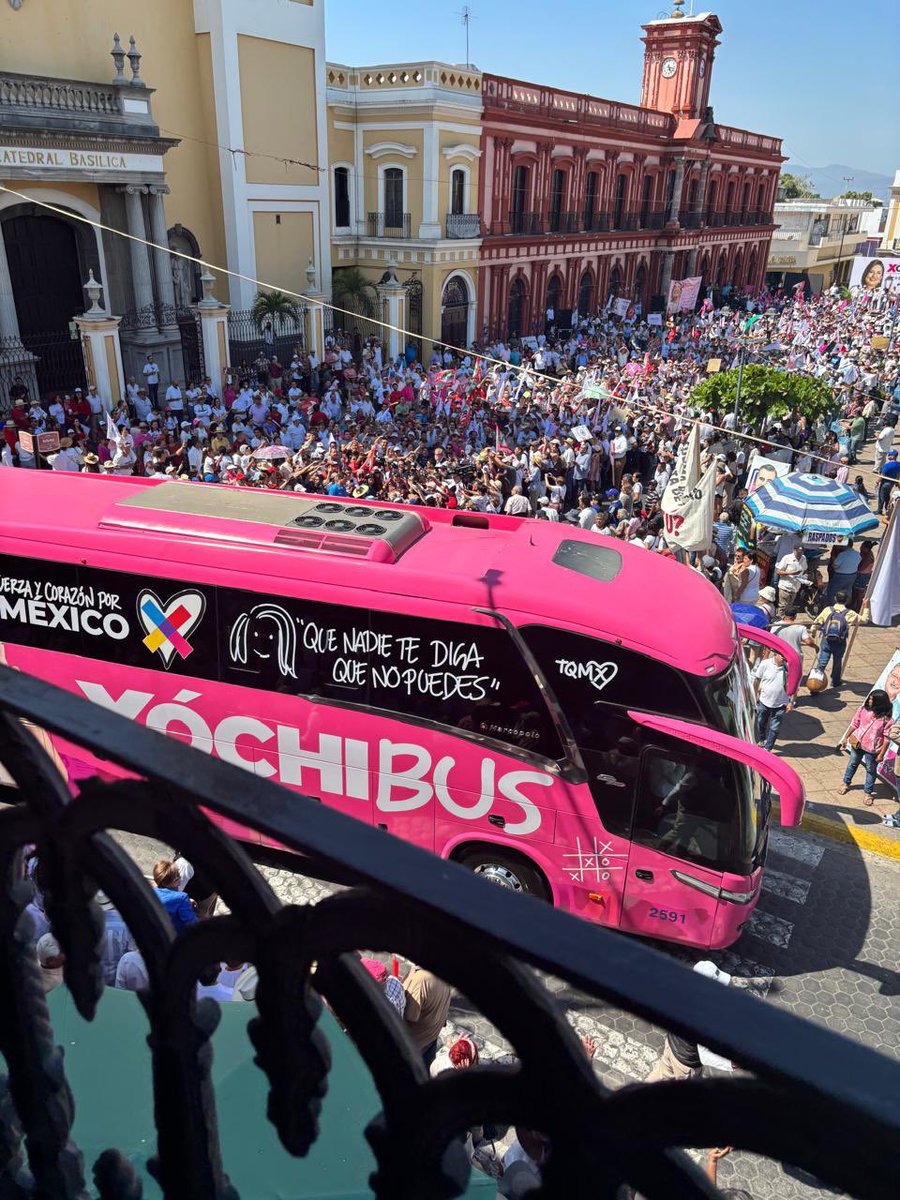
point(273, 306)
point(765, 392)
point(351, 289)
point(857, 196)
point(796, 187)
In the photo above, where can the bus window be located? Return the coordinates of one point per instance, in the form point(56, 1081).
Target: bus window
point(697, 806)
point(465, 677)
point(587, 674)
point(611, 750)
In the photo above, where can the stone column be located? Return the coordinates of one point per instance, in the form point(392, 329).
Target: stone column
point(162, 260)
point(142, 280)
point(9, 321)
point(666, 279)
point(701, 187)
point(675, 204)
point(392, 301)
point(213, 317)
point(100, 347)
point(16, 359)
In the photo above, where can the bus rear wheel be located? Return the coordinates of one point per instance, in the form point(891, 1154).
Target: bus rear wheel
point(506, 870)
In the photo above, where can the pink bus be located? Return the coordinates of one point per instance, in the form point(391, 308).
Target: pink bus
point(564, 714)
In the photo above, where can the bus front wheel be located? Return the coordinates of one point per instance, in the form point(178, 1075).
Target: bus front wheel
point(506, 870)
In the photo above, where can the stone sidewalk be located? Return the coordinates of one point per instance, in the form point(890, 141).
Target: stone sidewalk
point(809, 735)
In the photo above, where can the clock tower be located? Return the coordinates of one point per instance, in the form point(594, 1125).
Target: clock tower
point(678, 61)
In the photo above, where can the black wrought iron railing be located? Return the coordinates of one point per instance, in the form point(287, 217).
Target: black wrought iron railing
point(811, 1098)
point(388, 225)
point(525, 222)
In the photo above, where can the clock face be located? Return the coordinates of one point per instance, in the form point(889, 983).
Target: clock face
point(702, 67)
point(668, 67)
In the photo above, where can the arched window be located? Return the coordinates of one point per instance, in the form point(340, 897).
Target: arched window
point(720, 272)
point(185, 274)
point(640, 286)
point(745, 201)
point(646, 192)
point(586, 295)
point(457, 191)
point(760, 203)
point(751, 268)
point(341, 198)
point(557, 192)
point(619, 202)
point(615, 282)
point(519, 198)
point(693, 188)
point(455, 313)
point(554, 293)
point(729, 199)
point(393, 198)
point(737, 273)
point(516, 312)
point(590, 199)
point(711, 190)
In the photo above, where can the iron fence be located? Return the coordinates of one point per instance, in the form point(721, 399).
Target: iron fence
point(167, 318)
point(463, 225)
point(47, 363)
point(388, 225)
point(251, 337)
point(812, 1099)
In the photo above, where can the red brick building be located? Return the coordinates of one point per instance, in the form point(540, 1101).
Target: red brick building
point(582, 198)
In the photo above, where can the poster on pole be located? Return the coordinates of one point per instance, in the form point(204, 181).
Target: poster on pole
point(621, 307)
point(762, 470)
point(683, 294)
point(875, 274)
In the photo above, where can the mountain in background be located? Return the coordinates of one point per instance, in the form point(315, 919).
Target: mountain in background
point(829, 181)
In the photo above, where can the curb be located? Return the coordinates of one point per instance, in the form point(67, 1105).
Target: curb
point(850, 835)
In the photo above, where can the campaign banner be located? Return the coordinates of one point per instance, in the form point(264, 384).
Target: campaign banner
point(621, 307)
point(873, 274)
point(683, 294)
point(47, 442)
point(762, 470)
point(654, 318)
point(26, 441)
point(581, 433)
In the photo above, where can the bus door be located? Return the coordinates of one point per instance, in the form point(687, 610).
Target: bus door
point(688, 828)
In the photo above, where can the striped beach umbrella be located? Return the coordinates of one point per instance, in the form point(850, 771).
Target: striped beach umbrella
point(811, 503)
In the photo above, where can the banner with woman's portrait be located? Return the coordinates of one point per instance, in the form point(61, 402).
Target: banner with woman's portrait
point(873, 274)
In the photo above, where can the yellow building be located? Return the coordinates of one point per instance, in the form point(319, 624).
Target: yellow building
point(403, 148)
point(206, 132)
point(890, 239)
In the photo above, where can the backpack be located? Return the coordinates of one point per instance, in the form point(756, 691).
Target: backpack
point(836, 627)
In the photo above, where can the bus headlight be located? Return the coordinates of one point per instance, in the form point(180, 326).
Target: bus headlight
point(710, 889)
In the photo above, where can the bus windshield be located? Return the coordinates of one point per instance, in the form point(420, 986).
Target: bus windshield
point(648, 786)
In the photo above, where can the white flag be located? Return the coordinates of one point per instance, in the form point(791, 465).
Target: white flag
point(884, 589)
point(689, 500)
point(111, 432)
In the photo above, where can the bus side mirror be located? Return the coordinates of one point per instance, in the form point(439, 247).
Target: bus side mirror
point(784, 779)
point(762, 637)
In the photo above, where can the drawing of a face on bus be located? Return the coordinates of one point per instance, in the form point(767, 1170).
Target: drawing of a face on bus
point(266, 637)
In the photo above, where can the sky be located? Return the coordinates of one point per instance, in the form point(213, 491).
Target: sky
point(808, 71)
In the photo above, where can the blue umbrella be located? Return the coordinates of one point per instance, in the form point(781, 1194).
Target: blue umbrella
point(811, 503)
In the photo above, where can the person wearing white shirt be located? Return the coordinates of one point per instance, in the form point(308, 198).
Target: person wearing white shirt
point(68, 458)
point(151, 378)
point(57, 412)
point(131, 390)
point(789, 571)
point(174, 397)
point(773, 702)
point(142, 406)
point(202, 411)
point(884, 441)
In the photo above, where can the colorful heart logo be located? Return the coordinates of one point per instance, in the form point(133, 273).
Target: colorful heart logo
point(170, 625)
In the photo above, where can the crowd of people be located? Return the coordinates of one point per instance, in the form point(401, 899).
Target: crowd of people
point(581, 425)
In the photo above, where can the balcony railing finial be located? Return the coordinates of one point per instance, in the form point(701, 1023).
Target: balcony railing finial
point(134, 59)
point(118, 57)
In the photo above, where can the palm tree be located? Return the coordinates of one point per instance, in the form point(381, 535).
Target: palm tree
point(273, 306)
point(350, 289)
